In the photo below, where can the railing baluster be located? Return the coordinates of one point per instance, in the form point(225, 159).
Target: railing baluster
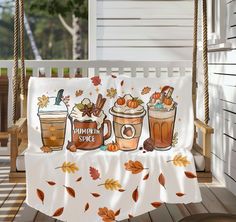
point(170, 71)
point(133, 72)
point(47, 72)
point(60, 72)
point(145, 72)
point(85, 72)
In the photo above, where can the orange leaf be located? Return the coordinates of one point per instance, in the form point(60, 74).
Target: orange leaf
point(70, 191)
point(135, 195)
point(190, 175)
point(134, 166)
point(79, 93)
point(96, 80)
point(130, 216)
point(122, 83)
point(86, 207)
point(40, 195)
point(94, 173)
point(145, 90)
point(146, 177)
point(51, 183)
point(96, 194)
point(121, 190)
point(156, 204)
point(180, 194)
point(79, 179)
point(117, 212)
point(58, 212)
point(107, 215)
point(161, 180)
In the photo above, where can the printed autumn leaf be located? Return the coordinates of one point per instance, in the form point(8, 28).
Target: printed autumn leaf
point(51, 183)
point(68, 167)
point(190, 175)
point(94, 173)
point(180, 160)
point(86, 207)
point(146, 177)
point(66, 100)
point(58, 212)
point(96, 80)
point(117, 212)
point(79, 179)
point(130, 216)
point(122, 83)
point(113, 76)
point(134, 166)
point(121, 190)
point(156, 204)
point(180, 194)
point(161, 180)
point(43, 101)
point(106, 214)
point(135, 195)
point(111, 184)
point(96, 194)
point(70, 191)
point(145, 90)
point(111, 93)
point(79, 93)
point(40, 195)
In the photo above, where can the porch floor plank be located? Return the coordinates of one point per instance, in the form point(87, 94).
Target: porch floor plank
point(161, 214)
point(177, 211)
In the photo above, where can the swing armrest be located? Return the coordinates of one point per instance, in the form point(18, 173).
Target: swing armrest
point(18, 140)
point(203, 127)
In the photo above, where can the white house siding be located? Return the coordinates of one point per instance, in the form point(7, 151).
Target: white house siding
point(222, 75)
point(143, 30)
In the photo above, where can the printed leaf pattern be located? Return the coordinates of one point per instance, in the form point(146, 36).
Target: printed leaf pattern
point(79, 179)
point(111, 93)
point(58, 212)
point(121, 190)
point(179, 194)
point(96, 194)
point(161, 180)
point(106, 214)
point(94, 173)
point(146, 177)
point(86, 207)
point(190, 175)
point(51, 183)
point(43, 101)
point(40, 195)
point(68, 167)
point(70, 191)
point(180, 160)
point(145, 90)
point(122, 83)
point(134, 166)
point(135, 195)
point(96, 80)
point(111, 184)
point(156, 204)
point(79, 93)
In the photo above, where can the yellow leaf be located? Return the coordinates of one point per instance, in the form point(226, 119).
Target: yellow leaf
point(43, 101)
point(68, 167)
point(111, 184)
point(111, 93)
point(180, 160)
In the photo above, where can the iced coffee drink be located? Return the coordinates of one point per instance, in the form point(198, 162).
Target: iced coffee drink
point(161, 116)
point(128, 116)
point(53, 117)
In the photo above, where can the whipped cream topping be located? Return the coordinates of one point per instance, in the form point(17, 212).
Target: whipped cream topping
point(77, 114)
point(125, 111)
point(158, 104)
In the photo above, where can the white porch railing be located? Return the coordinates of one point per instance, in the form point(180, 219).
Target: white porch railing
point(90, 68)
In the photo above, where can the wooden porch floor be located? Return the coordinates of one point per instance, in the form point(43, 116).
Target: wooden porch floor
point(216, 199)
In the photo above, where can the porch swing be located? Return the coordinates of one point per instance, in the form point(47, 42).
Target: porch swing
point(18, 131)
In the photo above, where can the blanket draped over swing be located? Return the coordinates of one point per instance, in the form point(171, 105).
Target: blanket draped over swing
point(109, 148)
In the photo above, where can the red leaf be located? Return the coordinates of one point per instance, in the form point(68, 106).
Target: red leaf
point(135, 195)
point(96, 80)
point(121, 190)
point(117, 212)
point(40, 195)
point(79, 179)
point(180, 194)
point(122, 83)
point(51, 183)
point(161, 180)
point(58, 212)
point(190, 175)
point(86, 207)
point(146, 177)
point(130, 216)
point(156, 204)
point(96, 194)
point(70, 191)
point(94, 173)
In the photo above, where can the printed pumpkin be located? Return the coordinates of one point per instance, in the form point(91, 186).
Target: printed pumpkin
point(156, 95)
point(120, 101)
point(113, 147)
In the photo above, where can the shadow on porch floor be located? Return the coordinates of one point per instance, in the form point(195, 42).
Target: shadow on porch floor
point(216, 199)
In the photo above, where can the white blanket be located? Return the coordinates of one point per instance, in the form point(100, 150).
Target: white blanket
point(97, 168)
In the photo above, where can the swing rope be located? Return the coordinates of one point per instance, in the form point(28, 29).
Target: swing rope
point(204, 55)
point(18, 33)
